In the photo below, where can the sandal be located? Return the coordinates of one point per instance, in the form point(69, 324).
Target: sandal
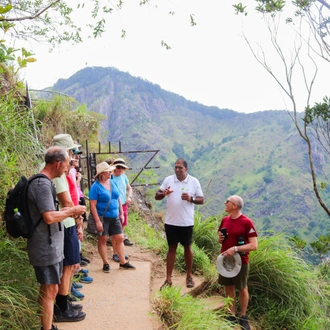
point(190, 282)
point(165, 284)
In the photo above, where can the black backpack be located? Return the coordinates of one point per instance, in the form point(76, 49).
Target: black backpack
point(17, 198)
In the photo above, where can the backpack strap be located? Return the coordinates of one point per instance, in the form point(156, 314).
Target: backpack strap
point(36, 176)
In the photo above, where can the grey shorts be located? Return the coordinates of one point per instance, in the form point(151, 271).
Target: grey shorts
point(240, 280)
point(111, 226)
point(49, 274)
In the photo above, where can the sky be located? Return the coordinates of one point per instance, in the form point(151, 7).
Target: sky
point(209, 63)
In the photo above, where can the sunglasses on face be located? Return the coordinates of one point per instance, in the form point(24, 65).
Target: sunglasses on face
point(120, 167)
point(227, 201)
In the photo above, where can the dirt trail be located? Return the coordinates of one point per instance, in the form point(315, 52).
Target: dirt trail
point(119, 299)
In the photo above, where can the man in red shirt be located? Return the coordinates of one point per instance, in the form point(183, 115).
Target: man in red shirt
point(239, 229)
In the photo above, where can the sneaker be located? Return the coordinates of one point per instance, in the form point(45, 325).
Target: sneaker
point(76, 307)
point(77, 285)
point(126, 266)
point(231, 318)
point(83, 263)
point(106, 268)
point(83, 271)
point(86, 279)
point(190, 282)
point(75, 293)
point(127, 242)
point(109, 243)
point(69, 316)
point(115, 257)
point(243, 322)
point(52, 328)
point(165, 284)
point(84, 259)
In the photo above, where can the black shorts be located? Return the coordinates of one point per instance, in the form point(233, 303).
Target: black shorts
point(49, 274)
point(176, 234)
point(71, 247)
point(112, 226)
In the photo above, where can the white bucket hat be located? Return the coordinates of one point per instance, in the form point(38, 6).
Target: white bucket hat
point(64, 141)
point(103, 167)
point(229, 266)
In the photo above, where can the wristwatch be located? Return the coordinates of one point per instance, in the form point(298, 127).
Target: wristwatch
point(236, 248)
point(192, 199)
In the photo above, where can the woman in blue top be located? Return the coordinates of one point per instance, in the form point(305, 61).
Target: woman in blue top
point(104, 196)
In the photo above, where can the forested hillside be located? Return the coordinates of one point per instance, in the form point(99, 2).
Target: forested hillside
point(259, 156)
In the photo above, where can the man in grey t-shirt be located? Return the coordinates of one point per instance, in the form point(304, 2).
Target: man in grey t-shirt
point(45, 254)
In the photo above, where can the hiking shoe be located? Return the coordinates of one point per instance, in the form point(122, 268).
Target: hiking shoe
point(243, 322)
point(190, 282)
point(106, 268)
point(126, 266)
point(83, 263)
point(77, 285)
point(165, 284)
point(69, 316)
point(231, 318)
point(53, 327)
point(84, 258)
point(115, 257)
point(75, 307)
point(75, 293)
point(86, 279)
point(127, 242)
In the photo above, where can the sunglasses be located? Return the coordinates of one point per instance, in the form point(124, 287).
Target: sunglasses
point(120, 167)
point(227, 201)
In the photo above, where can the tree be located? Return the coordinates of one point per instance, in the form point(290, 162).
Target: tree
point(307, 23)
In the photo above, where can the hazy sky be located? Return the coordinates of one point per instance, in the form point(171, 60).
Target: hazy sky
point(209, 63)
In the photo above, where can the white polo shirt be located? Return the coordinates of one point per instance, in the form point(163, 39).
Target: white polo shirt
point(179, 212)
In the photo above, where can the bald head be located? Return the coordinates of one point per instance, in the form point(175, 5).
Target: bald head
point(237, 200)
point(55, 155)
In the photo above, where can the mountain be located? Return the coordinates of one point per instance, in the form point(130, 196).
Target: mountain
point(258, 156)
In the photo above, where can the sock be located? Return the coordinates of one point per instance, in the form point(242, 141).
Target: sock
point(61, 302)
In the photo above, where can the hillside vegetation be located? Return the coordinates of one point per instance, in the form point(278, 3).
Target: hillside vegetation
point(258, 156)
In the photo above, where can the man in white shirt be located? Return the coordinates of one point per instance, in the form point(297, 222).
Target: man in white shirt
point(183, 191)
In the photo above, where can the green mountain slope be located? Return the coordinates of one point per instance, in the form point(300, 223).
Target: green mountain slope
point(258, 156)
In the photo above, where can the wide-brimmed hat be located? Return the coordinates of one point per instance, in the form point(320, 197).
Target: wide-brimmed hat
point(103, 167)
point(64, 141)
point(229, 266)
point(120, 162)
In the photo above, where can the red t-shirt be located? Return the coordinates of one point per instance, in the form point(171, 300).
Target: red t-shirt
point(242, 226)
point(73, 189)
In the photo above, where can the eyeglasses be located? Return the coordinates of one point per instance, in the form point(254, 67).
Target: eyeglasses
point(120, 167)
point(227, 201)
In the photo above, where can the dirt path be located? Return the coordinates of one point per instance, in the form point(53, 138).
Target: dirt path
point(119, 299)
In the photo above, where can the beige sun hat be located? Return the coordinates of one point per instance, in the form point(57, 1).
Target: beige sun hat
point(64, 141)
point(103, 167)
point(229, 266)
point(120, 162)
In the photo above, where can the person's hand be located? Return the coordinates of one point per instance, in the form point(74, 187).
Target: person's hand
point(168, 191)
point(80, 234)
point(185, 196)
point(229, 253)
point(121, 217)
point(221, 238)
point(99, 225)
point(78, 210)
point(129, 200)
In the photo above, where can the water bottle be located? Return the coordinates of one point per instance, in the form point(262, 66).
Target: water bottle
point(17, 214)
point(241, 242)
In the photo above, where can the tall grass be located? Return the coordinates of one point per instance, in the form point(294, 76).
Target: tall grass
point(18, 287)
point(187, 313)
point(285, 291)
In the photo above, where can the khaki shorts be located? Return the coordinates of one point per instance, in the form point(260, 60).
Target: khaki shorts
point(240, 280)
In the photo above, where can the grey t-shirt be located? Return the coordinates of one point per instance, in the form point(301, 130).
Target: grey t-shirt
point(40, 200)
